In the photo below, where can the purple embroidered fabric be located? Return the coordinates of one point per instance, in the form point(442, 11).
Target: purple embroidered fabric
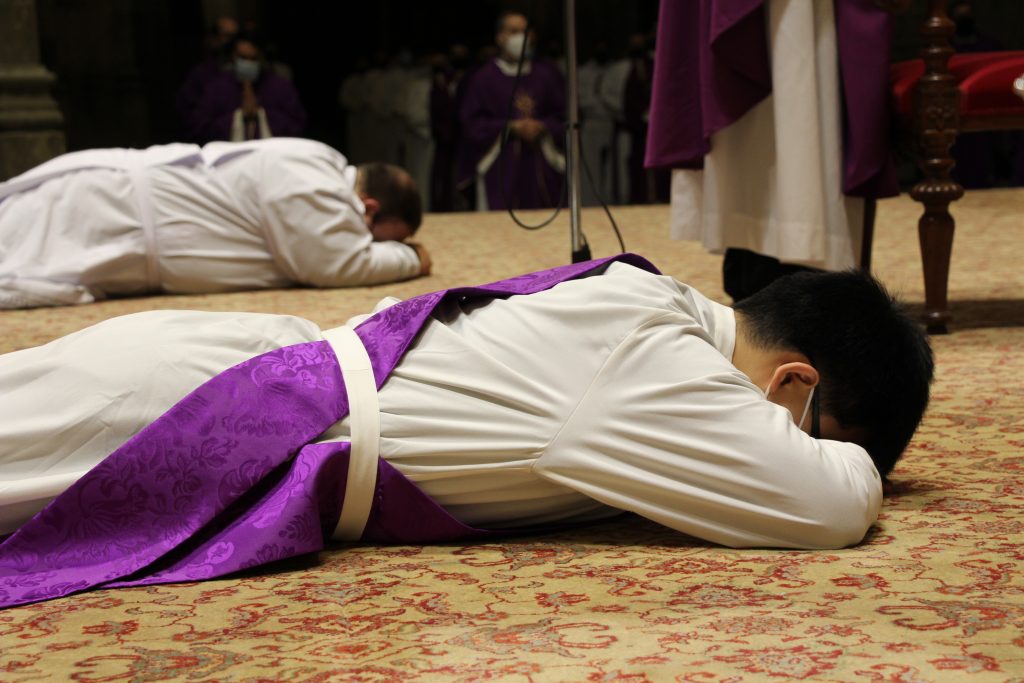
point(227, 479)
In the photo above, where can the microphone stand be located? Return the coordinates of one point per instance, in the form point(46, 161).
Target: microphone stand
point(580, 249)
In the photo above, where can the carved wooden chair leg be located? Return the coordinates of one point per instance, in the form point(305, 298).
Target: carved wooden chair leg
point(936, 120)
point(935, 231)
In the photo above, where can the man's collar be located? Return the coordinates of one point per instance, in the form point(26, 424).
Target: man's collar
point(510, 69)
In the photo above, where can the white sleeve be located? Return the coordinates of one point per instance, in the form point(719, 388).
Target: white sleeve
point(313, 221)
point(672, 431)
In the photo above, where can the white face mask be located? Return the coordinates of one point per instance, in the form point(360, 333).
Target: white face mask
point(247, 69)
point(514, 47)
point(807, 406)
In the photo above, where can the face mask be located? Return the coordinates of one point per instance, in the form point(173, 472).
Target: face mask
point(247, 69)
point(514, 47)
point(807, 406)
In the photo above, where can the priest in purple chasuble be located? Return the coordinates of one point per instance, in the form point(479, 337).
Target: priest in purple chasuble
point(531, 167)
point(180, 445)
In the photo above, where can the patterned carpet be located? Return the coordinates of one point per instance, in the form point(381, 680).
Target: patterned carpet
point(935, 593)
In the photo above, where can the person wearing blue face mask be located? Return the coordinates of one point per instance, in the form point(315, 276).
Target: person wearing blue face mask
point(245, 100)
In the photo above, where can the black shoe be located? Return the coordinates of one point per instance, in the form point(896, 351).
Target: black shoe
point(746, 272)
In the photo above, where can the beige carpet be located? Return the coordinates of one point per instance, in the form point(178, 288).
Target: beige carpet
point(934, 594)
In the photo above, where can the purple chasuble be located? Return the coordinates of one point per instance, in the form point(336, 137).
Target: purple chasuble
point(228, 478)
point(530, 181)
point(209, 114)
point(712, 66)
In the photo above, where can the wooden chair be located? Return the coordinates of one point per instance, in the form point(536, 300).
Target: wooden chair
point(935, 97)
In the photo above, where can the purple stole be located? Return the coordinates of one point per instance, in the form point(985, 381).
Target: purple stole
point(227, 479)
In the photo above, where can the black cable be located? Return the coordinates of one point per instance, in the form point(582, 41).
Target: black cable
point(597, 193)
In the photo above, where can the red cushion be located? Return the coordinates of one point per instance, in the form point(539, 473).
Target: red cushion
point(985, 80)
point(989, 90)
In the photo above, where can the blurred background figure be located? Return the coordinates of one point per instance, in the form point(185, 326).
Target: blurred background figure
point(646, 186)
point(244, 100)
point(412, 105)
point(215, 59)
point(612, 93)
point(380, 82)
point(530, 172)
point(358, 119)
point(967, 37)
point(445, 95)
point(597, 128)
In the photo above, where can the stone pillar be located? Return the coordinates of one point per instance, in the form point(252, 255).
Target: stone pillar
point(31, 125)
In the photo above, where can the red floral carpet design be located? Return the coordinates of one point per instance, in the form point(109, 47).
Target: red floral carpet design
point(935, 593)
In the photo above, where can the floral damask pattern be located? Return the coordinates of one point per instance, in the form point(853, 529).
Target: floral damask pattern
point(935, 593)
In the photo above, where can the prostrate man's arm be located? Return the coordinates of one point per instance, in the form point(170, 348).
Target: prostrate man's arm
point(424, 256)
point(671, 431)
point(315, 229)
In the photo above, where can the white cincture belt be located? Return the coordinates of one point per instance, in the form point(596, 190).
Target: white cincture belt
point(139, 173)
point(364, 418)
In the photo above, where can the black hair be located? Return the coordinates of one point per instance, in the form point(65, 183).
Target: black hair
point(395, 190)
point(874, 362)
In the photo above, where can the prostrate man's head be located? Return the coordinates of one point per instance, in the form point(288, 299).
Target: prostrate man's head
point(394, 209)
point(843, 332)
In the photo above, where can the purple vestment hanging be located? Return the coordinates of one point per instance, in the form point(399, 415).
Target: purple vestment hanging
point(228, 478)
point(712, 66)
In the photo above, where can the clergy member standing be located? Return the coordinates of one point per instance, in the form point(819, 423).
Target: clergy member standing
point(529, 173)
point(248, 100)
point(774, 116)
point(188, 220)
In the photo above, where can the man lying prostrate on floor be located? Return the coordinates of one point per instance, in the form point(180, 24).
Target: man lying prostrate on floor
point(188, 220)
point(560, 397)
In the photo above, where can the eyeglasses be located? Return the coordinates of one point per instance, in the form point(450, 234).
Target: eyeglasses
point(816, 415)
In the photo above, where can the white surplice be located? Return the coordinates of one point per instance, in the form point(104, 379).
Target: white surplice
point(184, 219)
point(772, 182)
point(614, 392)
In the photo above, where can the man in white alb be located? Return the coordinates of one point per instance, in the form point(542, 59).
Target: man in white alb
point(619, 391)
point(185, 220)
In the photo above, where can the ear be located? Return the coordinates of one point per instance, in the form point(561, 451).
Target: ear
point(372, 207)
point(792, 375)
